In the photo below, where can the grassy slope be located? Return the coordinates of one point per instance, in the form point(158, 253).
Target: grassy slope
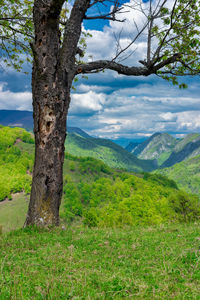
point(186, 174)
point(159, 147)
point(82, 263)
point(111, 153)
point(13, 213)
point(189, 138)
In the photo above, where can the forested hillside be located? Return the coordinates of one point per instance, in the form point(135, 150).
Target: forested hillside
point(184, 149)
point(109, 152)
point(15, 165)
point(159, 146)
point(186, 174)
point(99, 195)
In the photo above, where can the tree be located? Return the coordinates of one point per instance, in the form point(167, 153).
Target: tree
point(16, 31)
point(171, 28)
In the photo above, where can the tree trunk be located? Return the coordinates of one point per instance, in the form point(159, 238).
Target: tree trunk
point(51, 96)
point(47, 184)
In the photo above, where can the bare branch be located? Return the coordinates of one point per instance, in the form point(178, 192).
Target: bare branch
point(100, 65)
point(109, 16)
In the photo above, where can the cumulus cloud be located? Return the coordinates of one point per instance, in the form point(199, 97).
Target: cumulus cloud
point(87, 103)
point(11, 100)
point(143, 110)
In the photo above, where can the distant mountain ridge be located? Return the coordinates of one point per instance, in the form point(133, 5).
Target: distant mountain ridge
point(187, 148)
point(80, 143)
point(23, 118)
point(166, 149)
point(17, 118)
point(111, 153)
point(161, 149)
point(158, 146)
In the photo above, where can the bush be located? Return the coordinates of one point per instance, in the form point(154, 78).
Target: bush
point(90, 217)
point(72, 166)
point(185, 206)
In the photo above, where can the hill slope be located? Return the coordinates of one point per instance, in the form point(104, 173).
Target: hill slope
point(131, 146)
point(15, 165)
point(184, 149)
point(186, 174)
point(93, 191)
point(159, 146)
point(112, 154)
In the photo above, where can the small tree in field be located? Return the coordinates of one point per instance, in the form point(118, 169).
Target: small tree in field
point(171, 28)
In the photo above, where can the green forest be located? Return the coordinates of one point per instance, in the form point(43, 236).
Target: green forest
point(93, 191)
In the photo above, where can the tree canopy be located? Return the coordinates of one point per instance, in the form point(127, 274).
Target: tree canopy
point(171, 29)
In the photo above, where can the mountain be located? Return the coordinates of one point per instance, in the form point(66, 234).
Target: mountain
point(166, 149)
point(159, 146)
point(131, 146)
point(17, 118)
point(186, 174)
point(24, 119)
point(125, 142)
point(78, 131)
point(186, 148)
point(112, 154)
point(161, 149)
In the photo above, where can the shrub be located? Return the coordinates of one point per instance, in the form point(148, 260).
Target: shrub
point(90, 217)
point(185, 206)
point(72, 166)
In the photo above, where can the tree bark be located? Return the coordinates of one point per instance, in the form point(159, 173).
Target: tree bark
point(51, 96)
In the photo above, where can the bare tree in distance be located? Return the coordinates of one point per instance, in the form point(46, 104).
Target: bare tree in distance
point(171, 32)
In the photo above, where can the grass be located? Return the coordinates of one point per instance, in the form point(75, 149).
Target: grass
point(13, 213)
point(83, 263)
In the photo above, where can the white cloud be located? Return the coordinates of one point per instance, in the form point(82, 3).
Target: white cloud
point(87, 102)
point(189, 120)
point(143, 110)
point(83, 88)
point(11, 100)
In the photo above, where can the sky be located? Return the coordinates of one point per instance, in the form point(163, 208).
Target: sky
point(113, 106)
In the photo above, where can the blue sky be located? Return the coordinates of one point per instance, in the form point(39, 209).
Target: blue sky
point(113, 106)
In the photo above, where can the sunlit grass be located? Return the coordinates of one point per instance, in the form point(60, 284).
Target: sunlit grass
point(81, 263)
point(13, 213)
